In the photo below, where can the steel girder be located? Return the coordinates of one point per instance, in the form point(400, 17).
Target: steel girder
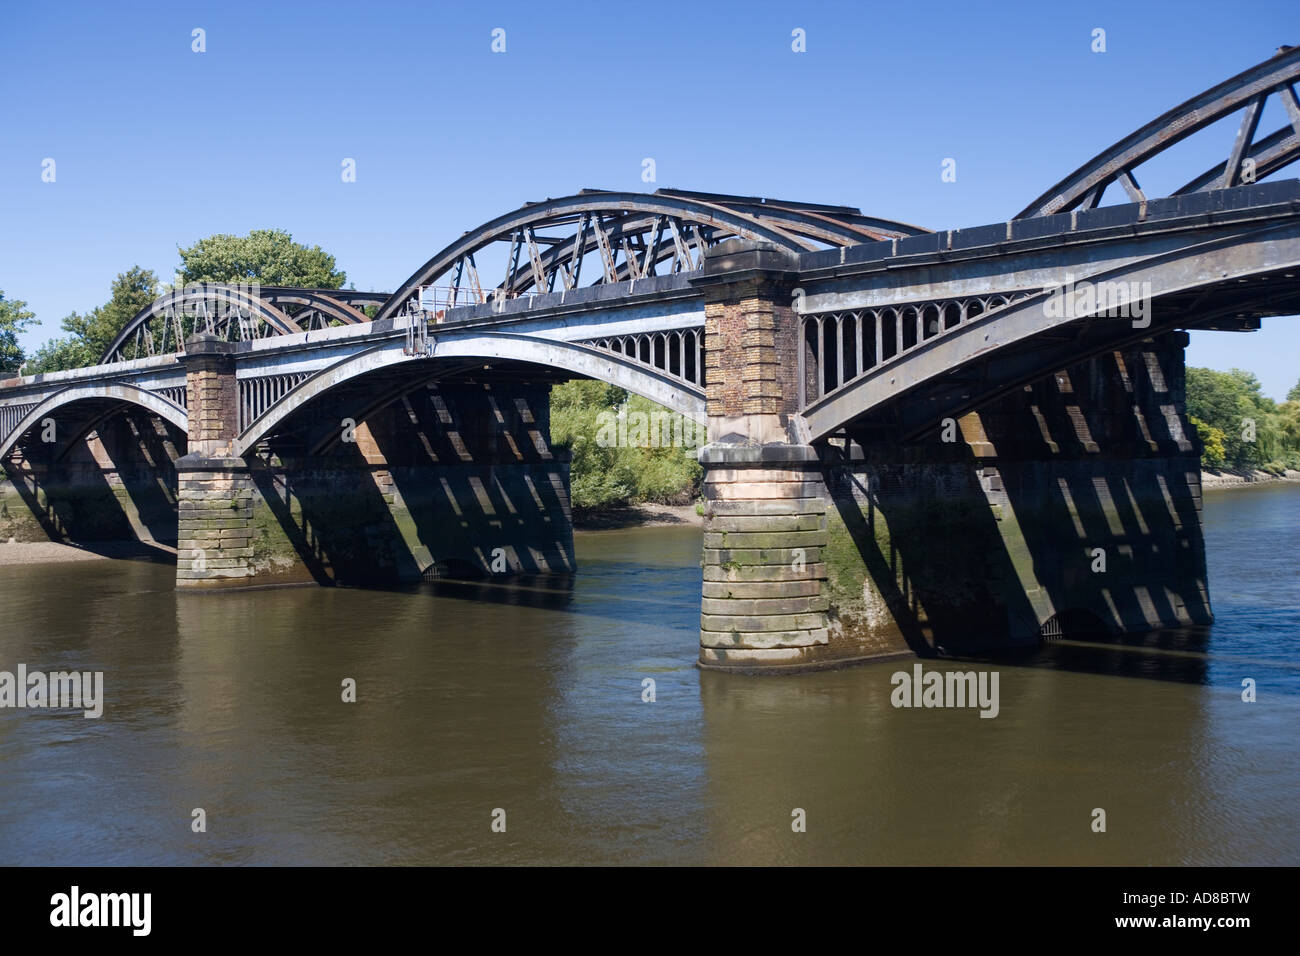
point(646, 229)
point(257, 311)
point(1019, 342)
point(1246, 92)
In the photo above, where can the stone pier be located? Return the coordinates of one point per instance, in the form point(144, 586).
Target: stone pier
point(214, 488)
point(1069, 507)
point(764, 605)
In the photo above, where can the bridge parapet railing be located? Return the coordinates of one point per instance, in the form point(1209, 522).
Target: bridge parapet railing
point(257, 395)
point(836, 347)
point(11, 415)
point(677, 352)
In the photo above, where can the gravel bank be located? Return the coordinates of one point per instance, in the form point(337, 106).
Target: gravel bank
point(1240, 477)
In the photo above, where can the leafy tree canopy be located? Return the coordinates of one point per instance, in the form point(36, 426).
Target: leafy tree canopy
point(266, 256)
point(90, 334)
point(14, 318)
point(1239, 425)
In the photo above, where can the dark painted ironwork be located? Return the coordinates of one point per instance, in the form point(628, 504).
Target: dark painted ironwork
point(1247, 160)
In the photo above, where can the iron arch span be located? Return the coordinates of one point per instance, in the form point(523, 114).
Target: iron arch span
point(580, 360)
point(120, 392)
point(1015, 326)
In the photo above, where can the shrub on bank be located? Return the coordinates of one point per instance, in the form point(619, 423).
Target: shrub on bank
point(613, 465)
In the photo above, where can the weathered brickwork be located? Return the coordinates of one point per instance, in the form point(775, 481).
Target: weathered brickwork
point(749, 332)
point(214, 490)
point(213, 395)
point(764, 604)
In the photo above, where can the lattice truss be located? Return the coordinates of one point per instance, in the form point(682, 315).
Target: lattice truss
point(598, 237)
point(1249, 157)
point(236, 313)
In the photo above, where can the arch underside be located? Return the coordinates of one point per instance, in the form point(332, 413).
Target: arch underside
point(360, 385)
point(91, 404)
point(955, 370)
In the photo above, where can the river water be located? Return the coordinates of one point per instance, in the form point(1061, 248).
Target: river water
point(530, 702)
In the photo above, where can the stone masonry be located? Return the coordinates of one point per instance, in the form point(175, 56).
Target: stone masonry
point(214, 490)
point(763, 604)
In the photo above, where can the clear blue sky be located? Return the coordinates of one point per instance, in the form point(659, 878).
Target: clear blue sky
point(157, 146)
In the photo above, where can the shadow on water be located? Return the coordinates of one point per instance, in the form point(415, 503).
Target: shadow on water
point(1175, 654)
point(552, 592)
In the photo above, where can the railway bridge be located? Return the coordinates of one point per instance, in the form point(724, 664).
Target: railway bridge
point(918, 441)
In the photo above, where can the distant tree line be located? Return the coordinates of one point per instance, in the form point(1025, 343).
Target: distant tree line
point(266, 256)
point(1238, 425)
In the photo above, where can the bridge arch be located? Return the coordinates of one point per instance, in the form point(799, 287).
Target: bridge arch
point(241, 312)
point(1002, 329)
point(582, 360)
point(121, 392)
point(646, 229)
point(1246, 92)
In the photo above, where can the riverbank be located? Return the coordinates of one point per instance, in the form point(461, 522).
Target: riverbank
point(1242, 477)
point(53, 552)
point(636, 516)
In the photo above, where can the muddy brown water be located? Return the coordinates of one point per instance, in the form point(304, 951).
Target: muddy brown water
point(529, 701)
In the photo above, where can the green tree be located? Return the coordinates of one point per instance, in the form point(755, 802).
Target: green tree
point(266, 256)
point(1231, 402)
point(646, 458)
point(56, 355)
point(1252, 429)
point(1294, 394)
point(600, 472)
point(1212, 451)
point(89, 335)
point(15, 317)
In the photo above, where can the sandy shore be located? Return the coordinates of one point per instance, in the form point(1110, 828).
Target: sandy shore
point(637, 516)
point(1241, 477)
point(52, 552)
